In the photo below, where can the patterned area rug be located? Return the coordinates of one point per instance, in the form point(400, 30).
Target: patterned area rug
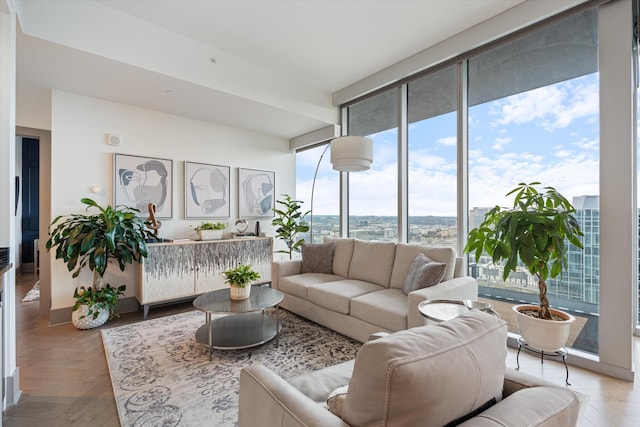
point(162, 376)
point(33, 294)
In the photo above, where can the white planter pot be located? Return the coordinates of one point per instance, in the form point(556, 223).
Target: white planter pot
point(210, 234)
point(541, 334)
point(81, 320)
point(238, 293)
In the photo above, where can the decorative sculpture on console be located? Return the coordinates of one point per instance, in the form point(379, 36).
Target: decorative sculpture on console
point(152, 222)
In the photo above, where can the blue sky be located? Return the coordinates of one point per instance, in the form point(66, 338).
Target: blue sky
point(549, 134)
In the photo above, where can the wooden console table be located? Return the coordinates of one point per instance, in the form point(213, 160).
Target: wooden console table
point(184, 269)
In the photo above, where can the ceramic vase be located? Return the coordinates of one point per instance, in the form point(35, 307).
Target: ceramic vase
point(81, 320)
point(238, 293)
point(541, 334)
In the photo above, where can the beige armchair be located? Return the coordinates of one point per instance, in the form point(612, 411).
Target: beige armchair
point(453, 373)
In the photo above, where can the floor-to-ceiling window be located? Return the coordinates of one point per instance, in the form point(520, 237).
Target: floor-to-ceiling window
point(373, 194)
point(432, 150)
point(533, 116)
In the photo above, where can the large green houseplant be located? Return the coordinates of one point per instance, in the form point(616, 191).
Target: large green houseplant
point(289, 221)
point(93, 240)
point(533, 231)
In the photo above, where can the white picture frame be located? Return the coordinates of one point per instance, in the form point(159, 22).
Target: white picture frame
point(256, 193)
point(140, 180)
point(207, 190)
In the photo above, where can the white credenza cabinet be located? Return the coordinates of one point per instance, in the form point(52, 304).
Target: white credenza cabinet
point(179, 270)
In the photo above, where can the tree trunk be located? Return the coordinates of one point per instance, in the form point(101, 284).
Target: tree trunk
point(543, 312)
point(96, 280)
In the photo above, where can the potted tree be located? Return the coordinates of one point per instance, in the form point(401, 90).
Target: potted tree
point(532, 231)
point(210, 230)
point(94, 240)
point(289, 222)
point(239, 280)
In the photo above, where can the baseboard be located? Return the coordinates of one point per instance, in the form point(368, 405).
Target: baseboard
point(11, 390)
point(61, 316)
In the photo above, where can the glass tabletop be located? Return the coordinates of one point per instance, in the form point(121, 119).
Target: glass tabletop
point(220, 302)
point(441, 310)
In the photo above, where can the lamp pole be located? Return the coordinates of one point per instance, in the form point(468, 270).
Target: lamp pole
point(313, 186)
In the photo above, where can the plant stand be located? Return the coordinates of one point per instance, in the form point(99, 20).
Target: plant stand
point(559, 354)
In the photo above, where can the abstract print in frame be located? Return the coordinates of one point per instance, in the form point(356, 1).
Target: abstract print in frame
point(206, 191)
point(256, 193)
point(143, 180)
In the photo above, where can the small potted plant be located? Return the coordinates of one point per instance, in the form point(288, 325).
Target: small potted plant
point(239, 280)
point(533, 231)
point(210, 230)
point(94, 240)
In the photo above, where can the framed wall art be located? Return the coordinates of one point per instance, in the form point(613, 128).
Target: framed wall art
point(256, 193)
point(206, 191)
point(143, 180)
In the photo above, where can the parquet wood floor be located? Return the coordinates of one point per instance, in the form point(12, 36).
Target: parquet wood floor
point(63, 371)
point(65, 380)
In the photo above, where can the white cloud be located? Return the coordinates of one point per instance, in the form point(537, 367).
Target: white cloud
point(552, 107)
point(586, 144)
point(500, 143)
point(563, 153)
point(448, 141)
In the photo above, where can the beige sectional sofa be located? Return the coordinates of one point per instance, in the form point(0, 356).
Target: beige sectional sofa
point(361, 292)
point(451, 373)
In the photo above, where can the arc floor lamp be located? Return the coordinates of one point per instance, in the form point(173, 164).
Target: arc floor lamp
point(348, 154)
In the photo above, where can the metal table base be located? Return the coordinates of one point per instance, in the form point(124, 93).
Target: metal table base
point(562, 353)
point(238, 331)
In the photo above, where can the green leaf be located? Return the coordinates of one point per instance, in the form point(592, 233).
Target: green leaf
point(533, 232)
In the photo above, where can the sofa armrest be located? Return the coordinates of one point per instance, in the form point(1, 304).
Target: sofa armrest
point(268, 400)
point(458, 288)
point(515, 380)
point(531, 407)
point(284, 268)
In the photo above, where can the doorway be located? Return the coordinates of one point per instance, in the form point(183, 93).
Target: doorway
point(30, 195)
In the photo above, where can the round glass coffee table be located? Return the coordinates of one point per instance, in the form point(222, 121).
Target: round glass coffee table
point(245, 325)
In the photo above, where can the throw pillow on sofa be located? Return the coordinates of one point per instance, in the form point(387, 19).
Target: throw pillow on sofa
point(317, 258)
point(424, 272)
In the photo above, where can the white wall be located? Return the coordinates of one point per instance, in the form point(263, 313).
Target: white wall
point(81, 158)
point(10, 372)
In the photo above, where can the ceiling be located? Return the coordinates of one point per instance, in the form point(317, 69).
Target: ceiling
point(268, 66)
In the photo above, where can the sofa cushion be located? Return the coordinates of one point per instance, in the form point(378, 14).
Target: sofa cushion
point(372, 262)
point(336, 296)
point(342, 253)
point(317, 258)
point(298, 284)
point(406, 253)
point(317, 385)
point(386, 308)
point(423, 273)
point(428, 375)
